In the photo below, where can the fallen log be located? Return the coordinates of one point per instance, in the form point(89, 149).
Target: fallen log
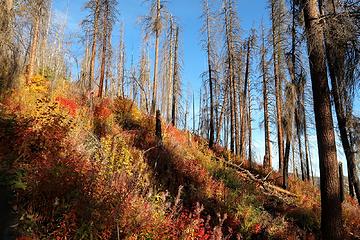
point(263, 183)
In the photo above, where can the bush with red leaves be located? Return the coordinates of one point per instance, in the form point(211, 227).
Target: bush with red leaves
point(68, 104)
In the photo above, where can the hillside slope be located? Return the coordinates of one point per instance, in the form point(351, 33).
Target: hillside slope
point(82, 169)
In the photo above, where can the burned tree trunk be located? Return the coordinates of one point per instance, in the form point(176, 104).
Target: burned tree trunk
point(335, 47)
point(267, 157)
point(244, 97)
point(209, 52)
point(104, 49)
point(157, 43)
point(93, 47)
point(158, 131)
point(278, 83)
point(175, 79)
point(331, 211)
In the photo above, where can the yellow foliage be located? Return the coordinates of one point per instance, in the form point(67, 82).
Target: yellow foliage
point(39, 84)
point(127, 114)
point(118, 158)
point(63, 87)
point(48, 112)
point(26, 96)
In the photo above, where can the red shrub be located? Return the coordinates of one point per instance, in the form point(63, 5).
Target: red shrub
point(177, 135)
point(102, 110)
point(68, 104)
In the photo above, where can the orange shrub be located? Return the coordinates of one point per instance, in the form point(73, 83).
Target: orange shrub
point(68, 104)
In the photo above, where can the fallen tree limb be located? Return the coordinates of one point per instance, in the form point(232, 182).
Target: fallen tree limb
point(264, 183)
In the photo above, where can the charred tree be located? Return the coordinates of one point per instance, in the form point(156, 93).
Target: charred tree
point(331, 211)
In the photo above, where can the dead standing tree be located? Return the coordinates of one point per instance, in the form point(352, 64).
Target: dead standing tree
point(37, 10)
point(340, 37)
point(153, 26)
point(108, 10)
point(93, 20)
point(208, 46)
point(176, 80)
point(231, 31)
point(277, 17)
point(265, 82)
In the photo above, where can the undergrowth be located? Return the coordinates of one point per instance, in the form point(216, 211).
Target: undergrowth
point(83, 169)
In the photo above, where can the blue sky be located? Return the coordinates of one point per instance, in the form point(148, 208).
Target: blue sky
point(187, 13)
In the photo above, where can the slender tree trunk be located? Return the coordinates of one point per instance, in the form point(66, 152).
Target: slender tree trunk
point(93, 47)
point(249, 123)
point(121, 65)
point(169, 92)
point(104, 50)
point(222, 112)
point(341, 179)
point(331, 211)
point(226, 131)
point(307, 147)
point(157, 43)
point(341, 119)
point(267, 158)
point(230, 69)
point(208, 48)
point(278, 88)
point(235, 114)
point(108, 63)
point(33, 48)
point(123, 73)
point(243, 107)
point(175, 79)
point(303, 173)
point(43, 45)
point(85, 68)
point(232, 117)
point(286, 162)
point(293, 161)
point(290, 119)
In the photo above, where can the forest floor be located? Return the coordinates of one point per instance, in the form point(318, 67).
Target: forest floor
point(75, 172)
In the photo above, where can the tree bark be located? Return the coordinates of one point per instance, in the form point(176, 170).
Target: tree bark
point(168, 92)
point(121, 64)
point(278, 89)
point(307, 150)
point(297, 120)
point(267, 157)
point(243, 108)
point(175, 79)
point(341, 179)
point(208, 35)
point(33, 47)
point(157, 43)
point(222, 112)
point(331, 210)
point(249, 123)
point(230, 77)
point(104, 50)
point(93, 47)
point(335, 57)
point(158, 131)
